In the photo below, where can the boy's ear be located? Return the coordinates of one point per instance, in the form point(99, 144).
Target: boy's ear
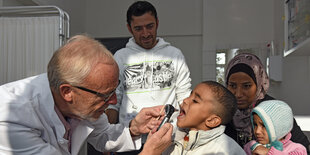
point(213, 121)
point(65, 91)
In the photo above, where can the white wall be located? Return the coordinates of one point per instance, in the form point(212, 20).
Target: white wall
point(237, 23)
point(234, 24)
point(295, 87)
point(76, 10)
point(10, 3)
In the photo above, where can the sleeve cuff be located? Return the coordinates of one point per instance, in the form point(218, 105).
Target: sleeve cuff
point(137, 140)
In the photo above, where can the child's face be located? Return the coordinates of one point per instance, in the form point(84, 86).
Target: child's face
point(260, 130)
point(196, 108)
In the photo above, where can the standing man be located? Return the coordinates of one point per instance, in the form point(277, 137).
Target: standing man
point(54, 113)
point(152, 72)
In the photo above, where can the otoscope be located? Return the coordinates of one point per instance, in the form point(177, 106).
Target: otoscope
point(169, 109)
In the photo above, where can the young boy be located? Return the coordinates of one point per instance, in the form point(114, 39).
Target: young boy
point(272, 122)
point(201, 122)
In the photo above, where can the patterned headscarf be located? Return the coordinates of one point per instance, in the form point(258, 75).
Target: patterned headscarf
point(241, 119)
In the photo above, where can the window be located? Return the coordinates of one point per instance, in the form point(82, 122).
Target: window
point(220, 66)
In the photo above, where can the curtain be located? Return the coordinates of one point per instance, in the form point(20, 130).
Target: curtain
point(26, 45)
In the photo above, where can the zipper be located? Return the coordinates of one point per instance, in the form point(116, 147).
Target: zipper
point(178, 143)
point(196, 139)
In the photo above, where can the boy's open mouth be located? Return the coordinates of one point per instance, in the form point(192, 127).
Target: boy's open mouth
point(182, 113)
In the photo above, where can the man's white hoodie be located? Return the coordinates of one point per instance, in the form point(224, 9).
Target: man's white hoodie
point(150, 77)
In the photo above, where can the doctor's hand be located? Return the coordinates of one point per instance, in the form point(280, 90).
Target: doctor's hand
point(159, 141)
point(146, 120)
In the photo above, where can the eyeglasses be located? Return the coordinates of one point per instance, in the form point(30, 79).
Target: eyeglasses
point(105, 96)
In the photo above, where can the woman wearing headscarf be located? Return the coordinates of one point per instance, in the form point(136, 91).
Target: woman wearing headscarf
point(247, 79)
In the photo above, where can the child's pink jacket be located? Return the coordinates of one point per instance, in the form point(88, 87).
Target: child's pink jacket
point(289, 147)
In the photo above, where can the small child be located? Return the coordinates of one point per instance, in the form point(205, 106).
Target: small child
point(201, 122)
point(272, 122)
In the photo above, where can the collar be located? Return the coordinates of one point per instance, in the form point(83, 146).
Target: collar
point(198, 138)
point(63, 121)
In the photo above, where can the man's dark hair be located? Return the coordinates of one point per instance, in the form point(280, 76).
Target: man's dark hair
point(227, 101)
point(139, 8)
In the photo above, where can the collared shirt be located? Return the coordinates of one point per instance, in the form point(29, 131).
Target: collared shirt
point(70, 124)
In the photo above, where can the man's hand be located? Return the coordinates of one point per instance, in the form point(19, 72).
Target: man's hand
point(145, 121)
point(159, 141)
point(260, 150)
